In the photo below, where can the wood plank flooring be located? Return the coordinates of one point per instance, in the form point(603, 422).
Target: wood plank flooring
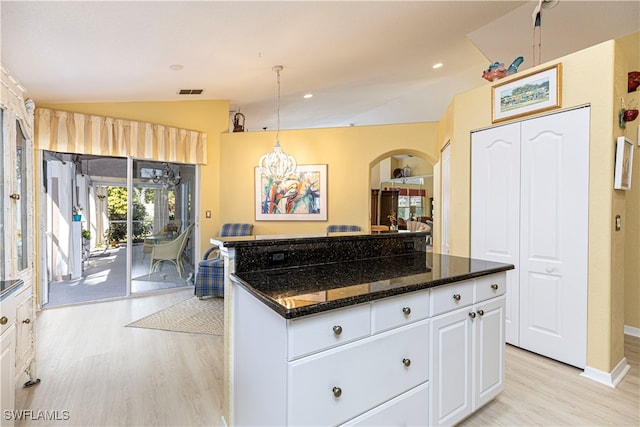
point(105, 374)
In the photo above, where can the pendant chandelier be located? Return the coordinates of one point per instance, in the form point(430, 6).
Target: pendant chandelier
point(277, 164)
point(167, 177)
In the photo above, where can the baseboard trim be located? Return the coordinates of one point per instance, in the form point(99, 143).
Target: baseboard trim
point(610, 379)
point(630, 330)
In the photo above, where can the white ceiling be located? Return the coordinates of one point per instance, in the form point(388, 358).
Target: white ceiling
point(365, 62)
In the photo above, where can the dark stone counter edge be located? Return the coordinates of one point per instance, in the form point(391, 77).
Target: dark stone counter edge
point(8, 287)
point(292, 313)
point(259, 240)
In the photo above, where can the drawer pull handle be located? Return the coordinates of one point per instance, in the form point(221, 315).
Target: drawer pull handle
point(3, 320)
point(406, 310)
point(472, 315)
point(406, 362)
point(456, 297)
point(481, 313)
point(337, 391)
point(494, 286)
point(337, 329)
point(27, 321)
point(15, 196)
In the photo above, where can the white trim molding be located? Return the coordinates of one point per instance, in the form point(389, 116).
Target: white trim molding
point(611, 379)
point(630, 330)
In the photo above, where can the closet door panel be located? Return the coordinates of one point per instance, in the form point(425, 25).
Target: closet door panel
point(554, 228)
point(495, 208)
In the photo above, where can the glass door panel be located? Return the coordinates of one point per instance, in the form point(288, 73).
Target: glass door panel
point(20, 200)
point(161, 222)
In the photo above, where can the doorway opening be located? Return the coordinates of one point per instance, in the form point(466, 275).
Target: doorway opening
point(402, 193)
point(107, 223)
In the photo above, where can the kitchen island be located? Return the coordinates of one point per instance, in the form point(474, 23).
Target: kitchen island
point(358, 329)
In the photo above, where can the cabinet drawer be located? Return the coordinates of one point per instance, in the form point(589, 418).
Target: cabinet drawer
point(408, 409)
point(325, 330)
point(450, 297)
point(333, 387)
point(490, 286)
point(8, 310)
point(397, 311)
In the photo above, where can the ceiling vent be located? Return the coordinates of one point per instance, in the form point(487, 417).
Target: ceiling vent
point(190, 91)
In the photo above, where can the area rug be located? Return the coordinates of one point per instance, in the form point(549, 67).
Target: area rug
point(193, 315)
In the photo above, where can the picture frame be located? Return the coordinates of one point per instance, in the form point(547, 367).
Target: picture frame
point(624, 164)
point(528, 94)
point(301, 197)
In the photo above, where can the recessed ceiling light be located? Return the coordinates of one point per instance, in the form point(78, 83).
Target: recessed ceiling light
point(438, 65)
point(176, 67)
point(307, 96)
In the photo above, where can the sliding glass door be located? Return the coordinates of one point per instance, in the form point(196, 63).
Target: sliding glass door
point(134, 222)
point(162, 225)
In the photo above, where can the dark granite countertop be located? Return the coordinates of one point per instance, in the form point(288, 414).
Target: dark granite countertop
point(8, 287)
point(302, 290)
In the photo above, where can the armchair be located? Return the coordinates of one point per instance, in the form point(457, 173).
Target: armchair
point(210, 275)
point(170, 251)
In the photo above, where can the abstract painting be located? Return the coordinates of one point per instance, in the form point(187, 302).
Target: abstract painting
point(300, 197)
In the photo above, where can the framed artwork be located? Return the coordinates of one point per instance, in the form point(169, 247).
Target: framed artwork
point(624, 164)
point(301, 197)
point(531, 93)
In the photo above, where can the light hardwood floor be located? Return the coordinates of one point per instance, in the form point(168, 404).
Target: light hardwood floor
point(105, 374)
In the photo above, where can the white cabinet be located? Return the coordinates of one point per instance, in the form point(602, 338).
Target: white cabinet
point(467, 365)
point(529, 208)
point(331, 387)
point(16, 235)
point(430, 357)
point(25, 344)
point(7, 372)
point(304, 372)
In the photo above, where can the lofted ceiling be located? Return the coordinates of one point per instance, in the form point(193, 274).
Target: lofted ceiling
point(365, 62)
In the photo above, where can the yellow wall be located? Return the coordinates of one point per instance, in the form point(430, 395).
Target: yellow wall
point(211, 117)
point(349, 152)
point(631, 218)
point(588, 78)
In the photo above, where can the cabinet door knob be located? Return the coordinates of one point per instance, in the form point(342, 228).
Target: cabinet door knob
point(481, 312)
point(15, 196)
point(27, 321)
point(494, 286)
point(337, 391)
point(472, 315)
point(3, 320)
point(406, 362)
point(406, 310)
point(337, 329)
point(456, 297)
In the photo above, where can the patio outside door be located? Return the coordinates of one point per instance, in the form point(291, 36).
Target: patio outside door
point(162, 243)
point(102, 219)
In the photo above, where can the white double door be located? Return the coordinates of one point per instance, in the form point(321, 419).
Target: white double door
point(529, 208)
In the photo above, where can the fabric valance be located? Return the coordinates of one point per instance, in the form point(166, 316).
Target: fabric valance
point(69, 132)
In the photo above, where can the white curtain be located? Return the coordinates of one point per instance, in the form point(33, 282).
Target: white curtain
point(160, 210)
point(60, 243)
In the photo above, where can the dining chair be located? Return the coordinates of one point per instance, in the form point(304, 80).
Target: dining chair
point(343, 228)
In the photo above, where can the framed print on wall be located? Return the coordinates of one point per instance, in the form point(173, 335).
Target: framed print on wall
point(624, 164)
point(532, 93)
point(301, 197)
